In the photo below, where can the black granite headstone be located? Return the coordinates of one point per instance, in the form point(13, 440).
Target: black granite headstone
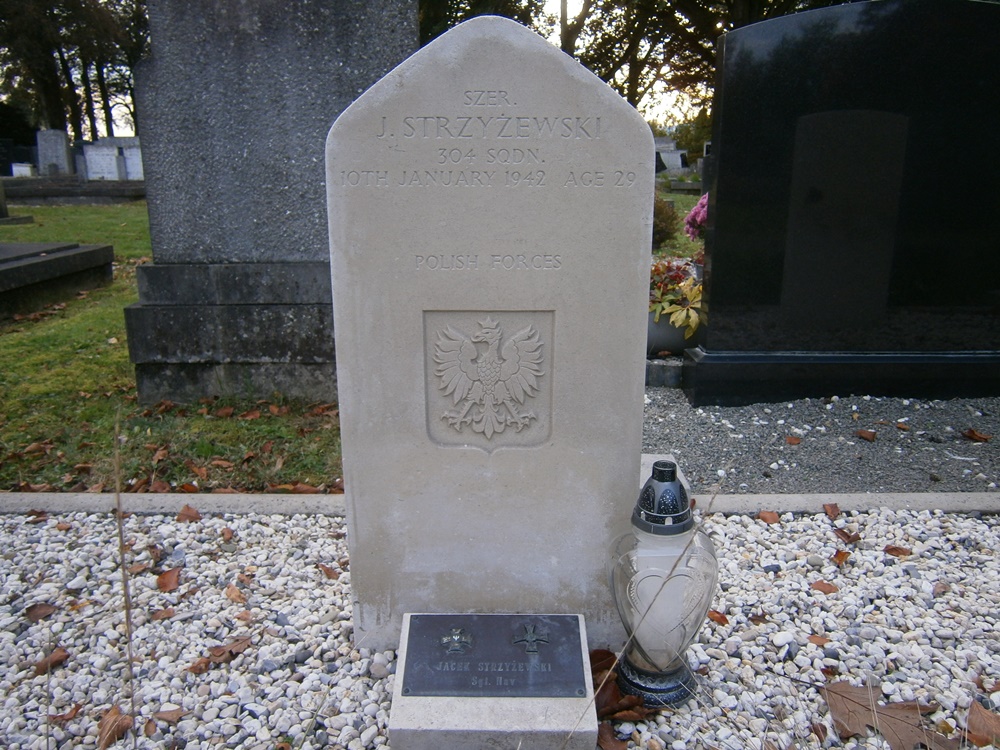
point(854, 219)
point(6, 156)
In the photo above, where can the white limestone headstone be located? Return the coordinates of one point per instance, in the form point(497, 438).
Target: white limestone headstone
point(490, 208)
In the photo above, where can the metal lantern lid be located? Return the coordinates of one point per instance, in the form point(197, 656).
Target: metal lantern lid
point(663, 506)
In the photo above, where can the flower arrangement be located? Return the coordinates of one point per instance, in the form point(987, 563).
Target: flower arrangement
point(674, 291)
point(694, 222)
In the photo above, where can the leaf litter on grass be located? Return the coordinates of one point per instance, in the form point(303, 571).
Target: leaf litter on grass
point(65, 376)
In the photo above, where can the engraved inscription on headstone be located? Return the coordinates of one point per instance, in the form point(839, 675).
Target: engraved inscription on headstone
point(488, 377)
point(494, 656)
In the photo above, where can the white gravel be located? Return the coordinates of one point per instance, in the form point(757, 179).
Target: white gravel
point(923, 626)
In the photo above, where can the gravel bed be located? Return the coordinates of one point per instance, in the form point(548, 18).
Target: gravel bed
point(922, 626)
point(813, 446)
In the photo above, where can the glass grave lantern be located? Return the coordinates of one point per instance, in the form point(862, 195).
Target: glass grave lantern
point(663, 577)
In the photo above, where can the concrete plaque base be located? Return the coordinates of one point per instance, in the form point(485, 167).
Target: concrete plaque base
point(489, 721)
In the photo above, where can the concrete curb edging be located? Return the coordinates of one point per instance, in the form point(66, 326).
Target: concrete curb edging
point(333, 505)
point(149, 503)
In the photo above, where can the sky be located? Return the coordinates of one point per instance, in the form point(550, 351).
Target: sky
point(667, 111)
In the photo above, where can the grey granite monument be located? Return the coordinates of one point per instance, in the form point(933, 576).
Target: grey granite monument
point(235, 103)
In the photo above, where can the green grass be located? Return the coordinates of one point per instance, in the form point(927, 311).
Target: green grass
point(66, 382)
point(681, 246)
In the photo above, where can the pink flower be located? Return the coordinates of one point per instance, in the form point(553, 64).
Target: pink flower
point(694, 222)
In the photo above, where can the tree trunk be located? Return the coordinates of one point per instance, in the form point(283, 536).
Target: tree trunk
point(71, 98)
point(569, 31)
point(88, 99)
point(53, 113)
point(102, 87)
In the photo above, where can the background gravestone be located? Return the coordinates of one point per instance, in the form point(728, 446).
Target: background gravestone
point(53, 153)
point(104, 162)
point(235, 103)
point(490, 219)
point(854, 217)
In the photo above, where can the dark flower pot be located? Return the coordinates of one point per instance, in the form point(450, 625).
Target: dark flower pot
point(663, 337)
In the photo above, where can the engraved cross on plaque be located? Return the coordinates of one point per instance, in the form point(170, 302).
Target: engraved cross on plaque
point(457, 641)
point(531, 639)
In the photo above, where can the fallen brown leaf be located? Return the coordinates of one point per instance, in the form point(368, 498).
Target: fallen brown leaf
point(847, 537)
point(602, 659)
point(200, 666)
point(854, 710)
point(630, 715)
point(68, 716)
point(64, 526)
point(606, 693)
point(252, 414)
point(818, 640)
point(227, 534)
point(768, 516)
point(160, 455)
point(172, 716)
point(757, 619)
point(832, 510)
point(891, 549)
point(162, 614)
point(112, 727)
point(976, 436)
point(234, 594)
point(792, 439)
point(983, 724)
point(150, 729)
point(228, 652)
point(717, 617)
point(625, 703)
point(606, 739)
point(188, 515)
point(225, 411)
point(840, 556)
point(39, 611)
point(222, 463)
point(902, 426)
point(58, 656)
point(329, 572)
point(819, 730)
point(868, 435)
point(823, 586)
point(200, 471)
point(168, 580)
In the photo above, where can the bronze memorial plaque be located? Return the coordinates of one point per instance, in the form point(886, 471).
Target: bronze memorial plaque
point(494, 656)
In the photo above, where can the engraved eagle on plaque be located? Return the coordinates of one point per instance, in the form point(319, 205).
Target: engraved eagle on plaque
point(488, 377)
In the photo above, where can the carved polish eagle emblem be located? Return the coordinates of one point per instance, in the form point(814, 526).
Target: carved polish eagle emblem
point(488, 377)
